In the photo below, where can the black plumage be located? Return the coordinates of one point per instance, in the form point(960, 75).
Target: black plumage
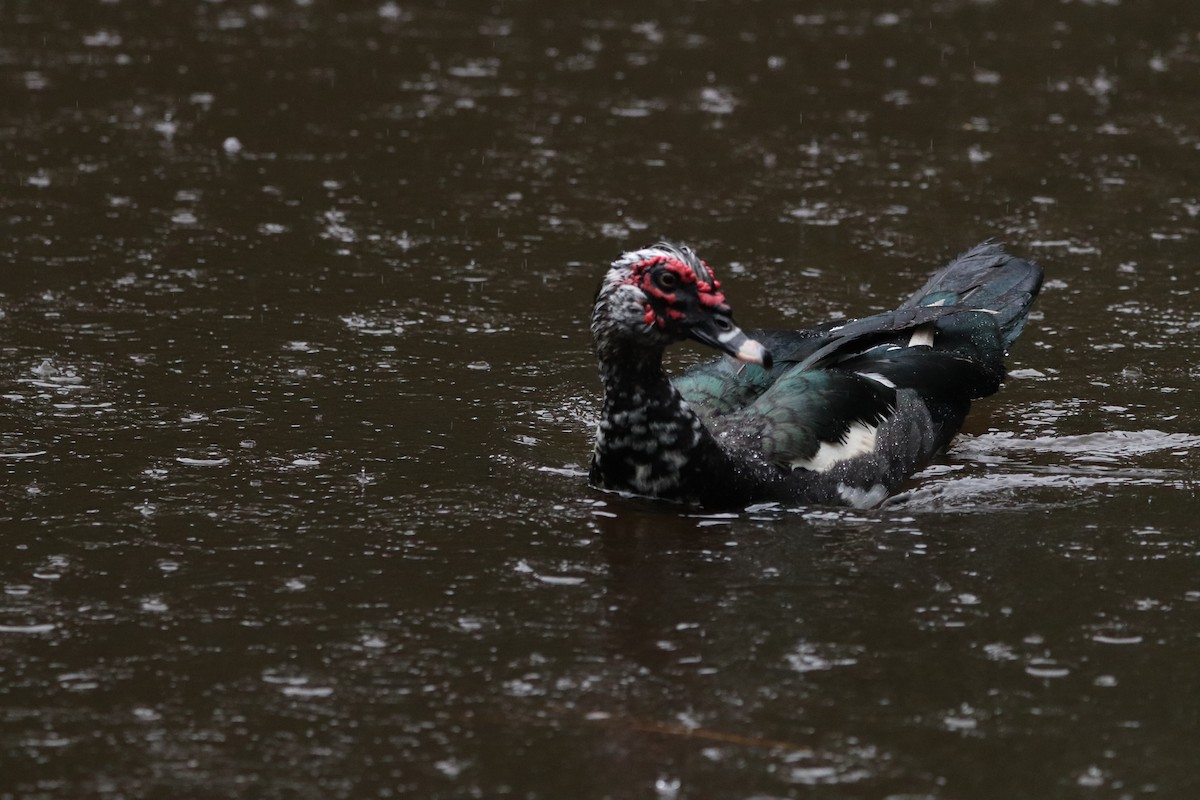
point(841, 413)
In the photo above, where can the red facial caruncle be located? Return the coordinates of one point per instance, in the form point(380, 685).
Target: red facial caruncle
point(681, 274)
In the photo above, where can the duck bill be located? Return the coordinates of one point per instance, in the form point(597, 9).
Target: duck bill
point(733, 341)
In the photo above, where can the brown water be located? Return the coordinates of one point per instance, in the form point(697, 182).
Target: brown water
point(296, 389)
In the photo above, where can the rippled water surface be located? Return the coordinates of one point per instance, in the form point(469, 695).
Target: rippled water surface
point(296, 390)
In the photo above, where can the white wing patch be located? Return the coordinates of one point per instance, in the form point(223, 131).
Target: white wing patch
point(922, 336)
point(859, 440)
point(880, 379)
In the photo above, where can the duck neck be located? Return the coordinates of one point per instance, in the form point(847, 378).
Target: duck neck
point(648, 441)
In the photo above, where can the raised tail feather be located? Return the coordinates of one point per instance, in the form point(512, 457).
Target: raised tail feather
point(987, 278)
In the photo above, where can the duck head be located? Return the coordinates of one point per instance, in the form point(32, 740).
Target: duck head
point(662, 294)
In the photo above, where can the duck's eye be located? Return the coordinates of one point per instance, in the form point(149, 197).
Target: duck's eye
point(667, 280)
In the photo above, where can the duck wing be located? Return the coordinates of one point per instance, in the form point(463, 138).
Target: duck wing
point(984, 279)
point(829, 406)
point(725, 385)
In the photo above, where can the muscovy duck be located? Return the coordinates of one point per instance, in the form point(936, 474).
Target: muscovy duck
point(839, 414)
